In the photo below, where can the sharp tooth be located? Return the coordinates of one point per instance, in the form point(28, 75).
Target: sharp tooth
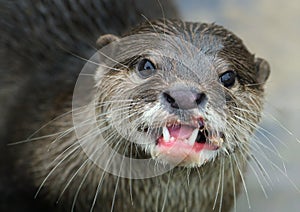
point(193, 137)
point(215, 142)
point(166, 134)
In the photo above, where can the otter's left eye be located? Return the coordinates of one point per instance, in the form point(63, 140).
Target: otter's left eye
point(228, 78)
point(146, 68)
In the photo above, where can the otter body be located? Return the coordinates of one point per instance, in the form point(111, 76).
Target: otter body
point(183, 96)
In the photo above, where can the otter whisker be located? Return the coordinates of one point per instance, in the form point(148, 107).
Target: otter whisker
point(72, 178)
point(246, 111)
point(82, 166)
point(116, 186)
point(123, 109)
point(274, 165)
point(255, 173)
point(79, 57)
point(53, 169)
point(35, 139)
point(30, 138)
point(166, 191)
point(263, 172)
point(59, 137)
point(163, 15)
point(199, 174)
point(282, 126)
point(63, 153)
point(233, 182)
point(262, 169)
point(266, 131)
point(242, 178)
point(95, 63)
point(112, 59)
point(276, 153)
point(130, 170)
point(76, 145)
point(269, 141)
point(79, 188)
point(222, 185)
point(102, 178)
point(218, 187)
point(148, 21)
point(130, 101)
point(254, 84)
point(257, 146)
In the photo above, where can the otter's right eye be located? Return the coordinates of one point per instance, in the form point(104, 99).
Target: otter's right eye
point(146, 68)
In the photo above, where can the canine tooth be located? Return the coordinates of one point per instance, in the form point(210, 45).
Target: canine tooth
point(193, 137)
point(166, 134)
point(215, 141)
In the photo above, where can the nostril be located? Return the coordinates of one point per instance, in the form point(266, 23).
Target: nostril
point(200, 98)
point(170, 100)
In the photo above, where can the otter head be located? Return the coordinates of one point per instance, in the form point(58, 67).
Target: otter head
point(179, 93)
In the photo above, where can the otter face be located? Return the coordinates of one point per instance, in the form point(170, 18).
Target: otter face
point(183, 94)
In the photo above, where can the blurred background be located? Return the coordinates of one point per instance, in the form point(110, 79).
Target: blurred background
point(270, 29)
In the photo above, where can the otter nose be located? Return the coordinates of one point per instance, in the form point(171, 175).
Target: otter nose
point(184, 99)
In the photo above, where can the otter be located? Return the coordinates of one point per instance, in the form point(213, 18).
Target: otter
point(165, 126)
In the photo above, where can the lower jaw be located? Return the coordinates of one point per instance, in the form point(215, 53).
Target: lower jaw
point(188, 157)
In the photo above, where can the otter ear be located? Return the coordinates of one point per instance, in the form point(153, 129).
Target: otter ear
point(106, 39)
point(103, 58)
point(262, 68)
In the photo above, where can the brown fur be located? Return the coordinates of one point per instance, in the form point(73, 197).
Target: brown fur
point(56, 161)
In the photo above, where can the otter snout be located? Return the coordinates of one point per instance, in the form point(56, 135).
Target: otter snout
point(184, 99)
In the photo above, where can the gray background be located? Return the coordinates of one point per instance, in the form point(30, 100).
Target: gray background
point(270, 29)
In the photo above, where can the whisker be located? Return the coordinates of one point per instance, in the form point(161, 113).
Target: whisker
point(30, 138)
point(116, 187)
point(222, 186)
point(283, 127)
point(71, 179)
point(218, 187)
point(166, 191)
point(53, 169)
point(79, 188)
point(256, 175)
point(243, 180)
point(102, 178)
point(233, 183)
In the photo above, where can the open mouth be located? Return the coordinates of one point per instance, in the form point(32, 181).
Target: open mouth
point(186, 144)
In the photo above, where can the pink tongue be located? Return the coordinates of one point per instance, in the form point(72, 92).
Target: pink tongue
point(180, 132)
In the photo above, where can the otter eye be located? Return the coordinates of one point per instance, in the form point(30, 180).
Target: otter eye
point(228, 78)
point(146, 68)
